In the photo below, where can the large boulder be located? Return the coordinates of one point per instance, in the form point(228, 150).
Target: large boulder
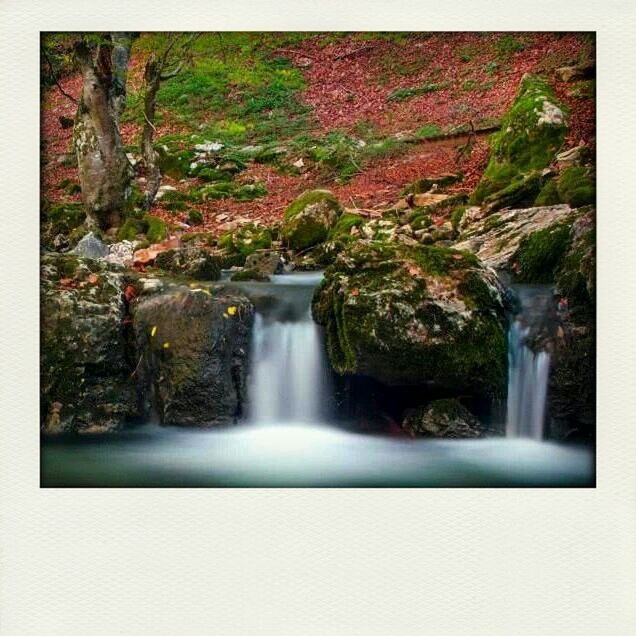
point(441, 418)
point(531, 134)
point(408, 315)
point(308, 220)
point(190, 262)
point(194, 347)
point(85, 362)
point(527, 242)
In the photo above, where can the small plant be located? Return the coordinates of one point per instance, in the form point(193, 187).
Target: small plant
point(508, 45)
point(402, 94)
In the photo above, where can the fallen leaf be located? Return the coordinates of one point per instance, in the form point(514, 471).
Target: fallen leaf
point(93, 278)
point(166, 345)
point(231, 310)
point(153, 331)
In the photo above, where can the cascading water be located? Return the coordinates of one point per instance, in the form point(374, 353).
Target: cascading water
point(288, 369)
point(528, 370)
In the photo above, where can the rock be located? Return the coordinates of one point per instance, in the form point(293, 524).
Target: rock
point(574, 156)
point(90, 246)
point(531, 134)
point(264, 262)
point(441, 418)
point(195, 354)
point(209, 146)
point(85, 362)
point(191, 262)
point(496, 239)
point(244, 239)
point(150, 286)
point(431, 184)
point(308, 220)
point(414, 315)
point(163, 190)
point(576, 72)
point(121, 253)
point(248, 274)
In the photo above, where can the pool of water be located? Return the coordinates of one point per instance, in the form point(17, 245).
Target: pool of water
point(301, 455)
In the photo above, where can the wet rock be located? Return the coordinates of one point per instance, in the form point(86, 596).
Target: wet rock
point(308, 220)
point(90, 246)
point(265, 263)
point(195, 348)
point(408, 315)
point(441, 418)
point(85, 363)
point(248, 274)
point(191, 262)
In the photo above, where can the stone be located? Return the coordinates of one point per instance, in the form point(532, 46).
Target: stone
point(308, 220)
point(576, 72)
point(414, 315)
point(191, 261)
point(496, 239)
point(121, 253)
point(267, 263)
point(441, 418)
point(195, 349)
point(163, 189)
point(85, 360)
point(90, 246)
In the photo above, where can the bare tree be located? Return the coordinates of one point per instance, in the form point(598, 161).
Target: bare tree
point(161, 66)
point(104, 170)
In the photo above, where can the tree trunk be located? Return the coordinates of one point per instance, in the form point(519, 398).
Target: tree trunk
point(104, 170)
point(150, 157)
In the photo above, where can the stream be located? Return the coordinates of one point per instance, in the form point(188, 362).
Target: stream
point(293, 437)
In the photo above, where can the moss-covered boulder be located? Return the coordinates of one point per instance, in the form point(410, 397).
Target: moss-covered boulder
point(151, 227)
point(531, 134)
point(309, 219)
point(62, 224)
point(249, 274)
point(245, 240)
point(190, 262)
point(85, 361)
point(414, 315)
point(194, 346)
point(441, 418)
point(528, 243)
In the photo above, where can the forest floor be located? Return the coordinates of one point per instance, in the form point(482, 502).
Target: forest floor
point(322, 90)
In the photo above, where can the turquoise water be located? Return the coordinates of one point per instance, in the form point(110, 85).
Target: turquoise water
point(299, 455)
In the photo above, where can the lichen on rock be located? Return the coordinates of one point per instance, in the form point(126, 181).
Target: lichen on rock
point(414, 315)
point(447, 418)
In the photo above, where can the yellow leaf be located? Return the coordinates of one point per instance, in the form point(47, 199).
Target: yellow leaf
point(231, 310)
point(153, 331)
point(166, 345)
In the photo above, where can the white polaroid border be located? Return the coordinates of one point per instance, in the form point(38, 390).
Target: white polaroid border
point(332, 561)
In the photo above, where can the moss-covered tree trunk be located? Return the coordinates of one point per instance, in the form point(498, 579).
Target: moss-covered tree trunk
point(104, 170)
point(153, 173)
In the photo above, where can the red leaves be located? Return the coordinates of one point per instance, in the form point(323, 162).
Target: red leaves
point(129, 293)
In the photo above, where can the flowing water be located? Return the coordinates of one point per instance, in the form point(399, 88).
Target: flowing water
point(292, 436)
point(528, 369)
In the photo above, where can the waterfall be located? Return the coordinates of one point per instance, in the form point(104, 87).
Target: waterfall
point(528, 370)
point(288, 370)
point(527, 385)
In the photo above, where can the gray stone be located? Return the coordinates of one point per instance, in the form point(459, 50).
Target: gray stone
point(265, 262)
point(90, 246)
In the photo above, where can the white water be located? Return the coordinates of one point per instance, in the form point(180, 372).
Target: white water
point(287, 379)
point(528, 371)
point(528, 374)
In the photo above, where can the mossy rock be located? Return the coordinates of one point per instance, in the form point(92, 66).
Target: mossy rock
point(447, 418)
point(531, 134)
point(342, 228)
point(213, 191)
point(456, 216)
point(175, 164)
point(195, 217)
point(131, 228)
point(425, 184)
point(308, 220)
point(249, 192)
point(245, 240)
point(413, 315)
point(249, 275)
point(64, 217)
point(157, 230)
point(521, 192)
point(576, 187)
point(190, 262)
point(549, 194)
point(540, 254)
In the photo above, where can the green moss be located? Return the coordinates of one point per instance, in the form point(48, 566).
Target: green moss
point(195, 217)
point(523, 144)
point(576, 187)
point(157, 230)
point(402, 94)
point(64, 217)
point(131, 228)
point(541, 253)
point(420, 221)
point(549, 194)
point(424, 185)
point(345, 222)
point(245, 240)
point(174, 164)
point(521, 192)
point(250, 191)
point(249, 275)
point(457, 215)
point(308, 220)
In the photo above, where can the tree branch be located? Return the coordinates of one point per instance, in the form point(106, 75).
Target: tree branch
point(54, 76)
